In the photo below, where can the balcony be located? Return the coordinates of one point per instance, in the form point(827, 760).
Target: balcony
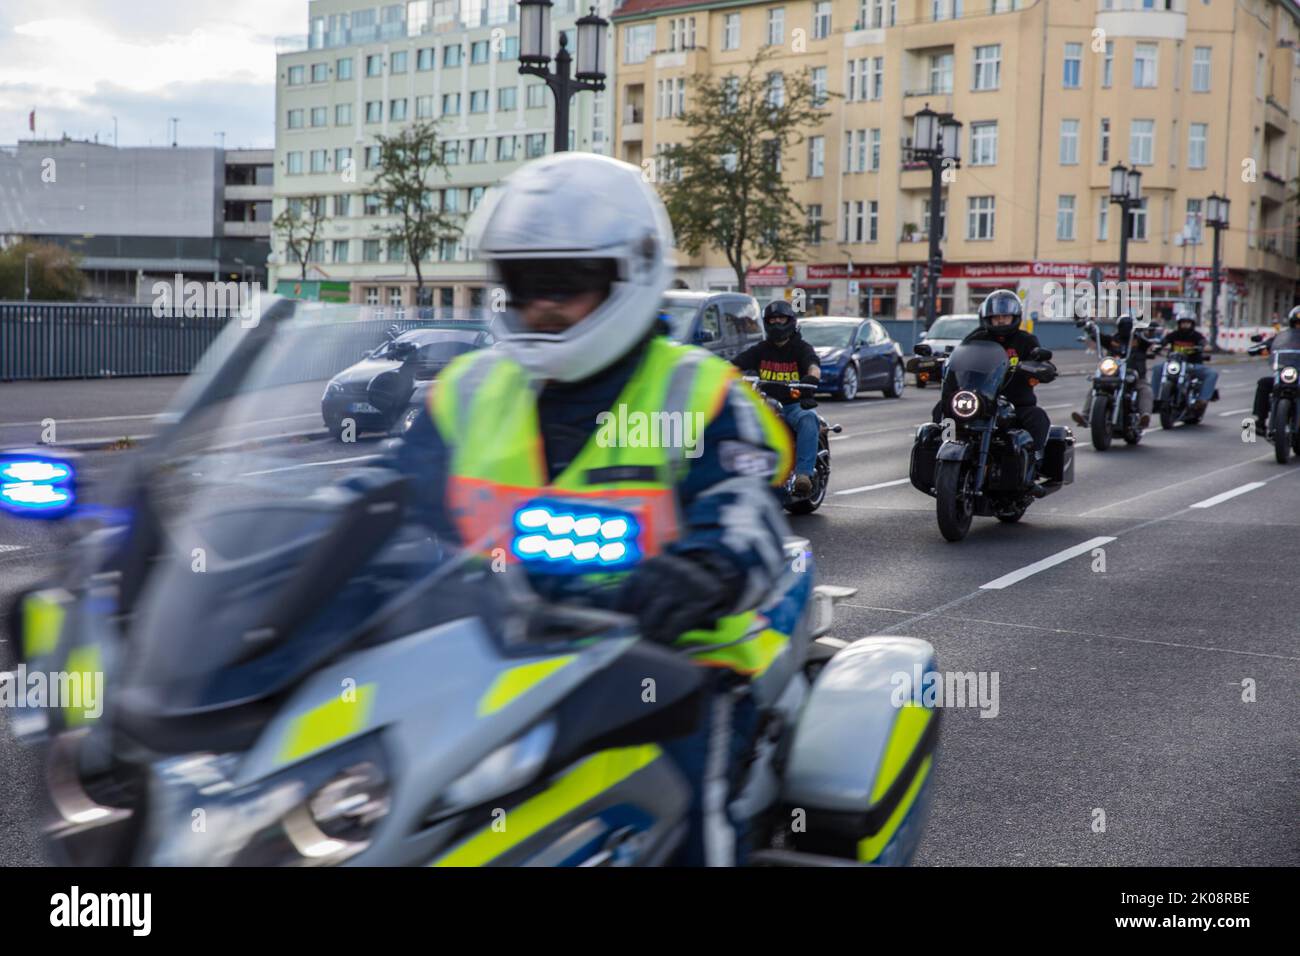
point(1272, 189)
point(939, 100)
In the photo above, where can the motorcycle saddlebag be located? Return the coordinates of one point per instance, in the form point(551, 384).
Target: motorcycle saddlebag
point(1012, 464)
point(1058, 457)
point(862, 759)
point(924, 451)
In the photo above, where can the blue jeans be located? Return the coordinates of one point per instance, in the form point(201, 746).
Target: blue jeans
point(803, 422)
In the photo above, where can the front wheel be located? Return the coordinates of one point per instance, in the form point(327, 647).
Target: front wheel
point(1100, 421)
point(1166, 417)
point(849, 384)
point(1282, 431)
point(952, 499)
point(897, 383)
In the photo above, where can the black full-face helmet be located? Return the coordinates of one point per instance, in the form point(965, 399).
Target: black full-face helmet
point(995, 310)
point(1293, 318)
point(780, 321)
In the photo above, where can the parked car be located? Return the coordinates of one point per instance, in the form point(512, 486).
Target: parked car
point(386, 389)
point(856, 354)
point(942, 337)
point(725, 323)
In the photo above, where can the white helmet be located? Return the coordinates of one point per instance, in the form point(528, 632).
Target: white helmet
point(575, 221)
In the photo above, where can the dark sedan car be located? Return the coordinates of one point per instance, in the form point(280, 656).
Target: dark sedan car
point(725, 323)
point(856, 355)
point(386, 389)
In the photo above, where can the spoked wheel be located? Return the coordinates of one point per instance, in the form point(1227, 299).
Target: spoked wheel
point(849, 384)
point(1282, 431)
point(1100, 420)
point(953, 508)
point(897, 383)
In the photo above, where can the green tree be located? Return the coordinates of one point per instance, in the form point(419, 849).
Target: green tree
point(300, 222)
point(407, 161)
point(723, 184)
point(53, 274)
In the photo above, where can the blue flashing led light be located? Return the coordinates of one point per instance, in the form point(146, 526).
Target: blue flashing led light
point(36, 486)
point(562, 537)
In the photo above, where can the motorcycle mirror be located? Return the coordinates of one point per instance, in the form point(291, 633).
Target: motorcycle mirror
point(1257, 337)
point(949, 349)
point(1041, 355)
point(921, 348)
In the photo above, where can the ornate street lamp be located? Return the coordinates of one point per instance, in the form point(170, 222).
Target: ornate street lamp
point(535, 58)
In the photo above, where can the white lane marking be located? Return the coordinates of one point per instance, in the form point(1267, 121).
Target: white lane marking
point(1211, 502)
point(1235, 411)
point(80, 421)
point(883, 484)
point(11, 547)
point(1047, 408)
point(1248, 461)
point(1029, 570)
point(309, 464)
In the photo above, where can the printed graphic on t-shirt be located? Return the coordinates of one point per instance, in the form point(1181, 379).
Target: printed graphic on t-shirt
point(773, 370)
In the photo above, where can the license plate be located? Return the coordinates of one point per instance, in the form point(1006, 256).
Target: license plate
point(363, 408)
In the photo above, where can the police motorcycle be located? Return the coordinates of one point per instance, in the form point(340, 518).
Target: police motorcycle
point(297, 673)
point(1284, 412)
point(774, 393)
point(1177, 396)
point(977, 462)
point(1113, 407)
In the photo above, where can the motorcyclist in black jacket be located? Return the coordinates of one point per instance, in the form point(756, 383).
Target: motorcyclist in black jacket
point(1184, 338)
point(1117, 345)
point(1000, 315)
point(1264, 387)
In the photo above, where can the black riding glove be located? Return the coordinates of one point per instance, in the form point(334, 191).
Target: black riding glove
point(675, 593)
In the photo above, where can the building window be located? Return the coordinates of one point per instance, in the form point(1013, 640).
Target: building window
point(295, 119)
point(424, 107)
point(1103, 217)
point(1069, 152)
point(1197, 134)
point(293, 163)
point(941, 73)
point(397, 110)
point(478, 150)
point(855, 150)
point(638, 41)
point(877, 77)
point(342, 114)
point(979, 217)
point(814, 224)
point(984, 144)
point(775, 90)
point(297, 75)
point(372, 293)
point(375, 111)
point(342, 201)
point(451, 153)
point(397, 63)
point(478, 52)
point(373, 205)
point(819, 85)
point(1201, 69)
point(343, 68)
point(816, 157)
point(731, 32)
point(1192, 223)
point(535, 145)
point(1138, 221)
point(943, 218)
point(452, 55)
point(424, 59)
point(450, 104)
point(374, 65)
point(1065, 218)
point(505, 149)
point(320, 72)
point(1142, 142)
point(478, 101)
point(776, 26)
point(370, 253)
point(821, 19)
point(873, 221)
point(536, 96)
point(1072, 76)
point(339, 251)
point(873, 157)
point(1144, 65)
point(1103, 141)
point(371, 157)
point(319, 160)
point(507, 98)
point(1108, 65)
point(988, 66)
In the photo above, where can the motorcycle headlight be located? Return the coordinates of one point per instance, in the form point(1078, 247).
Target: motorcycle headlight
point(965, 404)
point(1173, 368)
point(1289, 375)
point(1108, 366)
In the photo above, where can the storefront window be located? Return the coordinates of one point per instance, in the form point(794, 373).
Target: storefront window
point(878, 301)
point(976, 294)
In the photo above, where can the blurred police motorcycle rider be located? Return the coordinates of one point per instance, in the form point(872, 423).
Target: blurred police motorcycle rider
point(1118, 346)
point(1264, 387)
point(583, 247)
point(783, 356)
point(1000, 315)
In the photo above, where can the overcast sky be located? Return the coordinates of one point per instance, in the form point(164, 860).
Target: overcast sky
point(79, 63)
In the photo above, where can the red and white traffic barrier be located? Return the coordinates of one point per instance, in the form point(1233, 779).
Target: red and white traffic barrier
point(1238, 340)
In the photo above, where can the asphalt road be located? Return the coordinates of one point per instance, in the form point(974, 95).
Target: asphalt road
point(1120, 691)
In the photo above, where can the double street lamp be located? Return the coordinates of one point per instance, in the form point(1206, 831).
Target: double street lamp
point(535, 58)
point(1125, 192)
point(936, 141)
point(1216, 217)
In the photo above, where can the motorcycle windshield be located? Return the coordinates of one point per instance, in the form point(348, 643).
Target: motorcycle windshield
point(979, 367)
point(278, 544)
point(1286, 348)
